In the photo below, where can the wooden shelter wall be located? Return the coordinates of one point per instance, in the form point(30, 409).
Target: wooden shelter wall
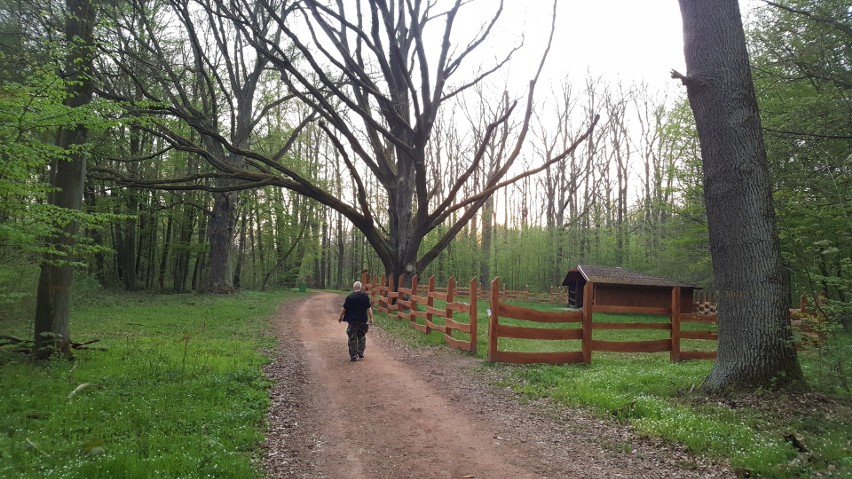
point(640, 296)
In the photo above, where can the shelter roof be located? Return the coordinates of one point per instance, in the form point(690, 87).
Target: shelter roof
point(608, 275)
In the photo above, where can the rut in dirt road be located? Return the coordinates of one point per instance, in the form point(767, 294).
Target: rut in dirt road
point(384, 417)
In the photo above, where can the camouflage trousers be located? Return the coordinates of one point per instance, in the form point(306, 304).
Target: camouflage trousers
point(357, 333)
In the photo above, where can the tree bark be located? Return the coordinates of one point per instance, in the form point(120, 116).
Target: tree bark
point(220, 234)
point(164, 258)
point(238, 270)
point(198, 270)
point(755, 341)
point(53, 303)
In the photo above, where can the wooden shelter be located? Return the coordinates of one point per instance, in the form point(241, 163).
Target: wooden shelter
point(623, 287)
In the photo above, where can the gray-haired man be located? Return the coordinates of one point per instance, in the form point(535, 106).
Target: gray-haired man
point(358, 313)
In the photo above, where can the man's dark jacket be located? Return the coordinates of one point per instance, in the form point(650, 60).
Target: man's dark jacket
point(356, 306)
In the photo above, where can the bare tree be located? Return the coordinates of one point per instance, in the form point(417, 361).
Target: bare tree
point(619, 150)
point(650, 113)
point(209, 80)
point(389, 78)
point(370, 72)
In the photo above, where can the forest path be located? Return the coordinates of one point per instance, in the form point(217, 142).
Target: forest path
point(400, 413)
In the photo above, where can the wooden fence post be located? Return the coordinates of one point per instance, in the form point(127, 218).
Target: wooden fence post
point(588, 306)
point(474, 294)
point(675, 352)
point(387, 294)
point(451, 296)
point(411, 309)
point(430, 302)
point(494, 300)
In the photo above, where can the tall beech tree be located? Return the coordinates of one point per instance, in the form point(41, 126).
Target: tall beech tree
point(67, 175)
point(755, 339)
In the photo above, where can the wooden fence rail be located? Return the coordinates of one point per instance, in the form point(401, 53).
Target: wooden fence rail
point(497, 330)
point(407, 303)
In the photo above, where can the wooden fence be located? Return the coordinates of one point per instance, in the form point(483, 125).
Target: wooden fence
point(803, 320)
point(416, 304)
point(499, 309)
point(405, 304)
point(496, 330)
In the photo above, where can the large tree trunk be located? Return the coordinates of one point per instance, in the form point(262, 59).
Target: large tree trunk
point(238, 270)
point(222, 223)
point(220, 234)
point(53, 303)
point(127, 249)
point(404, 242)
point(164, 259)
point(99, 267)
point(182, 256)
point(755, 340)
point(198, 270)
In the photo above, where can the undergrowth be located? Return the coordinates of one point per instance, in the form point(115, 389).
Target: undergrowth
point(179, 391)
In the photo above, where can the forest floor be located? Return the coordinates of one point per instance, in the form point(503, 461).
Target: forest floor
point(405, 412)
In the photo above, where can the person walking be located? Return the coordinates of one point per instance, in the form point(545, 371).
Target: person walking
point(357, 311)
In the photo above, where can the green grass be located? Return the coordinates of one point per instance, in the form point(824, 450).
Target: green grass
point(659, 398)
point(178, 393)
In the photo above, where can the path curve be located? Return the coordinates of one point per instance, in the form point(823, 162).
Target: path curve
point(382, 417)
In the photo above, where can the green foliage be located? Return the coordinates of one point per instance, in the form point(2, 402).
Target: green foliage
point(801, 62)
point(178, 393)
point(18, 281)
point(30, 115)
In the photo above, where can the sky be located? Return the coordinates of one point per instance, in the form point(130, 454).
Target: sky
point(621, 39)
point(631, 40)
point(628, 41)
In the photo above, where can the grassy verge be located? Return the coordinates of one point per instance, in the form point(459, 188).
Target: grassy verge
point(178, 393)
point(661, 399)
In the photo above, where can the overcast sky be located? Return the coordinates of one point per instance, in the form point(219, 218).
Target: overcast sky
point(631, 40)
point(627, 39)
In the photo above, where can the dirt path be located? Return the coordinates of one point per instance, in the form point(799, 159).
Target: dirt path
point(401, 413)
